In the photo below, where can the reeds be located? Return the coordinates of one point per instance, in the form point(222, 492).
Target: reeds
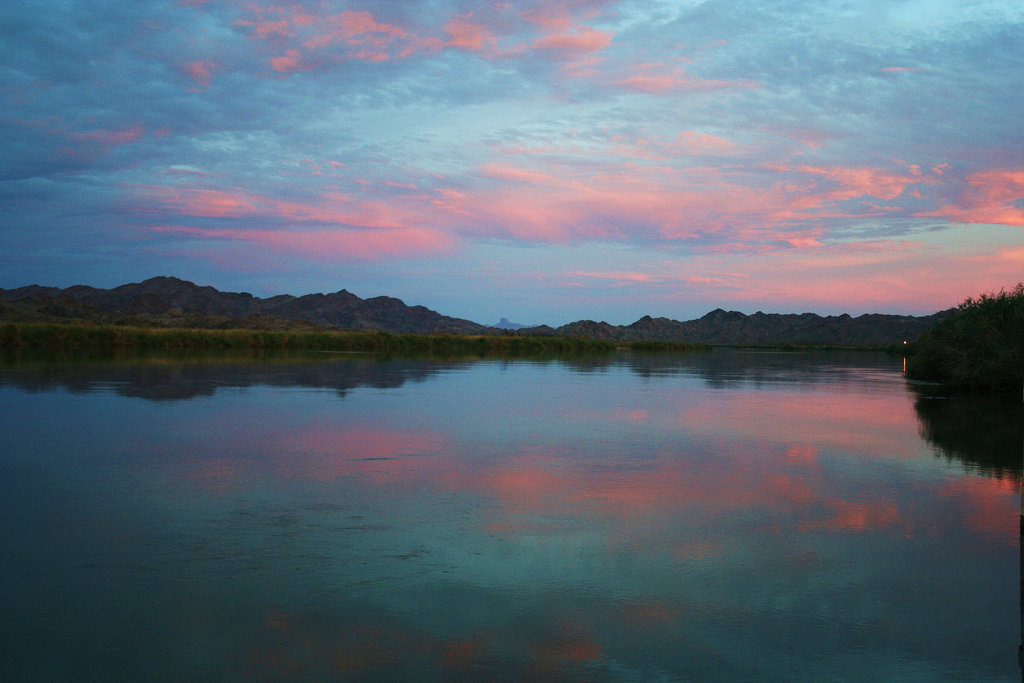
point(649, 346)
point(48, 336)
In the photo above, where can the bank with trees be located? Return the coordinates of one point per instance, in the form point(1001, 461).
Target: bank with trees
point(979, 347)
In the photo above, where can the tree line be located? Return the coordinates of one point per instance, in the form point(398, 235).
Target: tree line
point(980, 347)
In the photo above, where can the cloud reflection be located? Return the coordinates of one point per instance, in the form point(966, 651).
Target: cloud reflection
point(585, 519)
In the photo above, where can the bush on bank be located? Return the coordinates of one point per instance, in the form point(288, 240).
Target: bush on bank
point(47, 336)
point(980, 347)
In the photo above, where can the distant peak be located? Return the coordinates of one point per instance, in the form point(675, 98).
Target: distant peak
point(166, 278)
point(719, 312)
point(506, 324)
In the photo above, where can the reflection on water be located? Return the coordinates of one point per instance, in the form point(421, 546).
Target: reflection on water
point(173, 377)
point(985, 432)
point(723, 515)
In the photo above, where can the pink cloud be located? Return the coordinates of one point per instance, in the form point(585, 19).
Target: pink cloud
point(583, 68)
point(341, 209)
point(861, 181)
point(550, 17)
point(519, 175)
point(313, 38)
point(805, 456)
point(643, 203)
point(660, 79)
point(574, 195)
point(811, 137)
point(582, 39)
point(617, 276)
point(1011, 255)
point(658, 279)
point(569, 195)
point(332, 208)
point(201, 71)
point(813, 286)
point(693, 142)
point(270, 28)
point(113, 138)
point(188, 172)
point(291, 61)
point(897, 276)
point(370, 56)
point(658, 85)
point(199, 202)
point(356, 23)
point(471, 36)
point(652, 84)
point(352, 28)
point(328, 244)
point(994, 197)
point(341, 225)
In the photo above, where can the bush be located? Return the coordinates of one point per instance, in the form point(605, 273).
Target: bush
point(56, 337)
point(979, 347)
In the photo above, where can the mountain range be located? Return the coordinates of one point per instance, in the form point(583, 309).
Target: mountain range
point(169, 301)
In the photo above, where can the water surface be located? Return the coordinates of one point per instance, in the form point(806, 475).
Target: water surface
point(714, 516)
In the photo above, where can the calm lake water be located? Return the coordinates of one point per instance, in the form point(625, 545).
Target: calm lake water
point(716, 516)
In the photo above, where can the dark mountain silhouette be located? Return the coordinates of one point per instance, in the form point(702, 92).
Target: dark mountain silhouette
point(168, 301)
point(733, 327)
point(161, 300)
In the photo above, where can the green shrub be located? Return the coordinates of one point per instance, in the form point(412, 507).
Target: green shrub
point(979, 347)
point(58, 337)
point(666, 346)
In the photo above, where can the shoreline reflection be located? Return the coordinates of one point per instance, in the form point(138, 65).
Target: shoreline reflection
point(163, 376)
point(983, 432)
point(729, 516)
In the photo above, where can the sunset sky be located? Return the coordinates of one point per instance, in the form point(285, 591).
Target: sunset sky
point(544, 161)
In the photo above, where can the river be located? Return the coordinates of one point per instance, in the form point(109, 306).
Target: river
point(725, 515)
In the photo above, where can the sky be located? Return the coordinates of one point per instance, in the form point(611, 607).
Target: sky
point(544, 161)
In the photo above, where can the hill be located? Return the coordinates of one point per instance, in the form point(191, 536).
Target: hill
point(734, 328)
point(171, 302)
point(168, 301)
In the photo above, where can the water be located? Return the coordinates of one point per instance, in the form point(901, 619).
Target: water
point(715, 516)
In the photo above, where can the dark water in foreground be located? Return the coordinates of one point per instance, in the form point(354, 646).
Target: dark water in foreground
point(718, 516)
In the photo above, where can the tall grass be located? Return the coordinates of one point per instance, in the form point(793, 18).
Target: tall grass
point(47, 336)
point(979, 347)
point(649, 346)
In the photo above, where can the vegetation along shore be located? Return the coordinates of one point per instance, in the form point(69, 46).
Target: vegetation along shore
point(50, 336)
point(978, 347)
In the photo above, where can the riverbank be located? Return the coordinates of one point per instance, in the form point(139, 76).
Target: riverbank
point(57, 337)
point(979, 347)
